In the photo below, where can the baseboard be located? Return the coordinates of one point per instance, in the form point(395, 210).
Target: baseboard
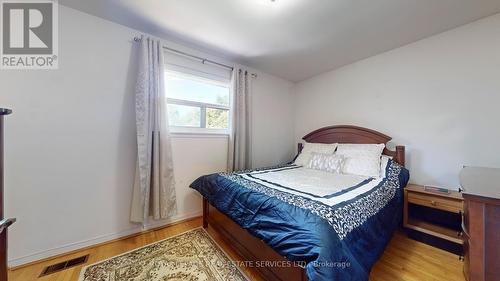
point(66, 249)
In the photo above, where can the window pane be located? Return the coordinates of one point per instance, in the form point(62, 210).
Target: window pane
point(217, 118)
point(198, 90)
point(182, 115)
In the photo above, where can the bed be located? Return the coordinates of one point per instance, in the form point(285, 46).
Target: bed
point(288, 225)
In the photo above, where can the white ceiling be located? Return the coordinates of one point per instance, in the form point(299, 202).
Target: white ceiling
point(293, 39)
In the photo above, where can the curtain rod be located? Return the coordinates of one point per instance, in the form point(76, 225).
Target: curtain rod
point(203, 60)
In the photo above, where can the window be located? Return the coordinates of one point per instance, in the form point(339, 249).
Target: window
point(197, 104)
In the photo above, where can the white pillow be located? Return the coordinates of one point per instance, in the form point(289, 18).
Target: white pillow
point(326, 162)
point(384, 160)
point(361, 159)
point(305, 156)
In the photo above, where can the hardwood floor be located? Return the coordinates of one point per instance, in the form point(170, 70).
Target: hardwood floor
point(404, 259)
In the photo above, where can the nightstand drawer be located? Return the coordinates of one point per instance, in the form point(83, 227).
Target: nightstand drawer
point(436, 202)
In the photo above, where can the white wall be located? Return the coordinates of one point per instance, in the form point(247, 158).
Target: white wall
point(194, 156)
point(438, 96)
point(70, 144)
point(272, 127)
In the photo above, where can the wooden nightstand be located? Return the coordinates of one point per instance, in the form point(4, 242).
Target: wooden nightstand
point(452, 203)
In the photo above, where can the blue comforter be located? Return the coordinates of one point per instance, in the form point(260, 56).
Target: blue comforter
point(337, 241)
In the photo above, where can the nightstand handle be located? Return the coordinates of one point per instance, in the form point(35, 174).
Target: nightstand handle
point(433, 203)
point(464, 230)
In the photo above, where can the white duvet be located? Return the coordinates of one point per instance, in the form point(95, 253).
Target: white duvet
point(325, 187)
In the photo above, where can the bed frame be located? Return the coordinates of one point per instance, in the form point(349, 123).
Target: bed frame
point(253, 249)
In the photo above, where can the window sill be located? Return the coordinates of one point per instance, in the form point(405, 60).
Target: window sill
point(199, 135)
point(190, 132)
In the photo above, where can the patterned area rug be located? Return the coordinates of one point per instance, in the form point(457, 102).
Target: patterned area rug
point(191, 256)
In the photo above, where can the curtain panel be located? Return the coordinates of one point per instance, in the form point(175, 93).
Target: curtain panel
point(240, 148)
point(154, 186)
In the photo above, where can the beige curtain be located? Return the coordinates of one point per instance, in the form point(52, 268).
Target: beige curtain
point(154, 186)
point(240, 146)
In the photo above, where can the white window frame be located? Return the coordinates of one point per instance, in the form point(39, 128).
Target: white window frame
point(202, 105)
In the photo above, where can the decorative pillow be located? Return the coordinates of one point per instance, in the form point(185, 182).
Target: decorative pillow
point(305, 156)
point(361, 159)
point(326, 162)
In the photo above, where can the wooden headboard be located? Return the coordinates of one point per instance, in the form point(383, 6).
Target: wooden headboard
point(353, 134)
